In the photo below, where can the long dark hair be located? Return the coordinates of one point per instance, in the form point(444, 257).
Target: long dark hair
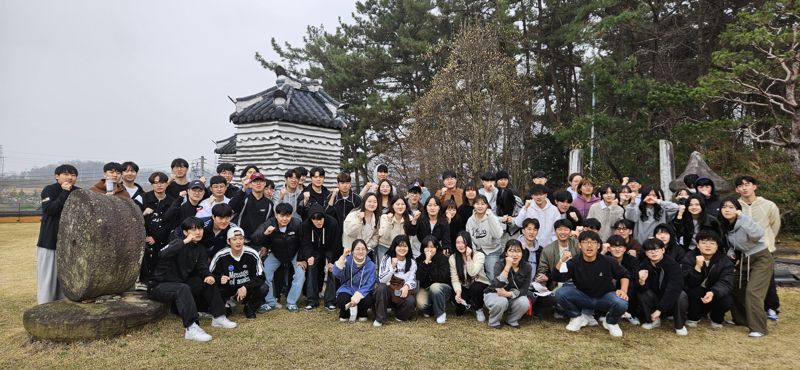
point(724, 224)
point(391, 207)
point(469, 186)
point(391, 253)
point(425, 241)
point(375, 214)
point(439, 216)
point(458, 257)
point(380, 196)
point(657, 211)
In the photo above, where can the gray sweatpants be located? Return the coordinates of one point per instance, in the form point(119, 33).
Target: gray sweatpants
point(47, 287)
point(497, 306)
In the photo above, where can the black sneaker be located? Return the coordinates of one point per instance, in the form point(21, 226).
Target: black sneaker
point(249, 312)
point(309, 307)
point(331, 307)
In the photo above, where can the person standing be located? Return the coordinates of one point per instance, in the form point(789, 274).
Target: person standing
point(53, 197)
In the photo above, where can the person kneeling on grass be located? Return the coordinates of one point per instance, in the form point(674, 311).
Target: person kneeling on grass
point(397, 285)
point(239, 272)
point(433, 274)
point(594, 276)
point(508, 293)
point(182, 275)
point(660, 288)
point(356, 276)
point(709, 280)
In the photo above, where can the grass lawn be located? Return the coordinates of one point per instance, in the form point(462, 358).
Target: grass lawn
point(317, 340)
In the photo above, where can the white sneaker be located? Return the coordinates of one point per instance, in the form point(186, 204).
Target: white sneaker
point(715, 325)
point(557, 315)
point(590, 320)
point(480, 315)
point(362, 319)
point(692, 323)
point(682, 331)
point(772, 314)
point(223, 322)
point(441, 319)
point(755, 334)
point(342, 319)
point(634, 321)
point(614, 329)
point(651, 325)
point(196, 333)
point(576, 323)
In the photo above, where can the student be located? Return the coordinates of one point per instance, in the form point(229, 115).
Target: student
point(563, 247)
point(178, 182)
point(414, 198)
point(226, 170)
point(666, 234)
point(508, 205)
point(381, 173)
point(238, 270)
point(454, 220)
point(314, 193)
point(464, 212)
point(135, 191)
point(290, 192)
point(755, 266)
point(396, 283)
point(218, 187)
point(689, 181)
point(341, 202)
point(660, 288)
point(606, 211)
point(624, 229)
point(485, 230)
point(187, 204)
point(489, 190)
point(280, 235)
point(594, 287)
point(540, 177)
point(245, 175)
point(563, 201)
point(573, 181)
point(433, 276)
point(586, 197)
point(251, 206)
point(432, 222)
point(508, 293)
point(681, 196)
point(617, 248)
point(705, 186)
point(692, 218)
point(709, 280)
point(635, 187)
point(530, 229)
point(54, 195)
point(449, 189)
point(650, 212)
point(539, 208)
point(362, 223)
point(392, 224)
point(356, 276)
point(182, 275)
point(468, 276)
point(111, 184)
point(303, 174)
point(626, 196)
point(156, 226)
point(318, 237)
point(385, 196)
point(765, 213)
point(215, 233)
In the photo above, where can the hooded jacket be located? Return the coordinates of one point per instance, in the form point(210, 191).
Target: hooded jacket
point(716, 276)
point(485, 233)
point(547, 216)
point(665, 279)
point(53, 198)
point(765, 213)
point(320, 199)
point(249, 212)
point(284, 245)
point(180, 209)
point(644, 228)
point(178, 262)
point(355, 279)
point(156, 225)
point(318, 242)
point(746, 236)
point(583, 205)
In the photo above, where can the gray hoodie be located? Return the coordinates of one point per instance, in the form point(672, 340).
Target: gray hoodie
point(485, 233)
point(747, 236)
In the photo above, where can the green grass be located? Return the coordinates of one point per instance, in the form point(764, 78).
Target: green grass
point(317, 340)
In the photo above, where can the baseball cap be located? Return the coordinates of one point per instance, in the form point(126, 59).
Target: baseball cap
point(232, 232)
point(257, 176)
point(197, 184)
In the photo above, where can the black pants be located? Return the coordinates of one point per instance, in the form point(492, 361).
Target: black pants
point(772, 302)
point(716, 309)
point(313, 280)
point(183, 295)
point(648, 301)
point(403, 310)
point(253, 299)
point(363, 305)
point(473, 295)
point(149, 261)
point(332, 285)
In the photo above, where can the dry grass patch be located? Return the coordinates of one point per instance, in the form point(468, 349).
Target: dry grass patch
point(317, 340)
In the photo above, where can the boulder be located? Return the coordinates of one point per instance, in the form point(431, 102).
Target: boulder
point(100, 245)
point(67, 321)
point(699, 167)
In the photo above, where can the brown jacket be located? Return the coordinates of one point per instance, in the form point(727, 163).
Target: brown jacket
point(457, 194)
point(119, 190)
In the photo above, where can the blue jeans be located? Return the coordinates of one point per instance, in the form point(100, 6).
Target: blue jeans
point(574, 302)
point(270, 265)
point(437, 296)
point(490, 261)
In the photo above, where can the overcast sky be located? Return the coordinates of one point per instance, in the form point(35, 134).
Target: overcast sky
point(136, 80)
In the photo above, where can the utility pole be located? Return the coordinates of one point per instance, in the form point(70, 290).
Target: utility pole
point(202, 165)
point(2, 162)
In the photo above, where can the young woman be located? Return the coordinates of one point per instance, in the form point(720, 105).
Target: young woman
point(465, 210)
point(431, 222)
point(356, 273)
point(692, 218)
point(586, 197)
point(392, 224)
point(362, 223)
point(385, 196)
point(485, 229)
point(651, 211)
point(754, 269)
point(457, 224)
point(681, 196)
point(397, 282)
point(626, 196)
point(666, 233)
point(467, 276)
point(607, 211)
point(433, 275)
point(508, 293)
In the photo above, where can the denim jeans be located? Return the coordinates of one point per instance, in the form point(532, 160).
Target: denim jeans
point(437, 296)
point(270, 265)
point(490, 261)
point(574, 302)
point(380, 252)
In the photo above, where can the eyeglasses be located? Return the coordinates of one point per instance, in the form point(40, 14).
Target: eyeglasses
point(589, 242)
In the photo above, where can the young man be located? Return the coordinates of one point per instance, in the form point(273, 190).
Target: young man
point(53, 197)
point(252, 208)
point(157, 227)
point(489, 190)
point(110, 184)
point(291, 192)
point(342, 201)
point(381, 173)
point(314, 193)
point(508, 205)
point(449, 189)
point(182, 275)
point(414, 198)
point(540, 178)
point(660, 288)
point(561, 248)
point(215, 232)
point(280, 235)
point(595, 278)
point(563, 201)
point(135, 192)
point(187, 204)
point(766, 214)
point(178, 181)
point(218, 187)
point(539, 208)
point(226, 170)
point(318, 238)
point(709, 280)
point(239, 272)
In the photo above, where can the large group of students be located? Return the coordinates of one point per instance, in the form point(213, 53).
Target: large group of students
point(594, 255)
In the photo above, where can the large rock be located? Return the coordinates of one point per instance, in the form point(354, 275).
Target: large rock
point(100, 245)
point(67, 321)
point(699, 167)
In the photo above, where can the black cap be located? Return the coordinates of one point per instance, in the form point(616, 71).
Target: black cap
point(633, 179)
point(197, 184)
point(415, 188)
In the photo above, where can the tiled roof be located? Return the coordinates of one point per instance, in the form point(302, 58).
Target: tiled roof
point(226, 146)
